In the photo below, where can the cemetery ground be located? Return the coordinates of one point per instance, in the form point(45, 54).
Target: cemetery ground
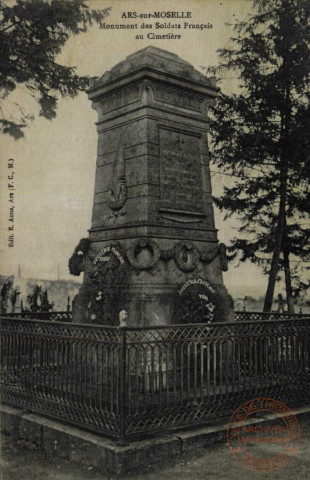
point(20, 462)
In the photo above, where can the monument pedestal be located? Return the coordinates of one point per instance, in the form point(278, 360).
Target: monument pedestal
point(153, 223)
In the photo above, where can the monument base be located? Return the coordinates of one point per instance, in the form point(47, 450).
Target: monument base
point(161, 306)
point(59, 440)
point(80, 307)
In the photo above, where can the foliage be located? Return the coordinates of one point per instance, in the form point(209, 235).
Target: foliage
point(32, 34)
point(260, 136)
point(77, 259)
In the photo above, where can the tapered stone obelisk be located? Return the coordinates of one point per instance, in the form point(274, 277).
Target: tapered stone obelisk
point(152, 249)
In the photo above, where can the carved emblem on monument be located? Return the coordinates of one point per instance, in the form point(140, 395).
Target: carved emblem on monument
point(209, 255)
point(117, 194)
point(149, 253)
point(186, 256)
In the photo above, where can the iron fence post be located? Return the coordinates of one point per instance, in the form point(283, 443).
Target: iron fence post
point(122, 386)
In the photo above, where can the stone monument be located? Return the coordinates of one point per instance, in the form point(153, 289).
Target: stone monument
point(152, 249)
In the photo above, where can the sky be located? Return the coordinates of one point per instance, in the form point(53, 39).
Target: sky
point(54, 165)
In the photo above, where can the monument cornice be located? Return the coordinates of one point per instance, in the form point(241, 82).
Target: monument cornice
point(154, 229)
point(157, 111)
point(152, 93)
point(147, 73)
point(142, 112)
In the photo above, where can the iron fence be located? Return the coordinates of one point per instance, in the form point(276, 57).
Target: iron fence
point(240, 316)
point(129, 381)
point(259, 316)
point(65, 316)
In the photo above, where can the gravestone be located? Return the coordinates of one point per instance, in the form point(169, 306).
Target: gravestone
point(152, 226)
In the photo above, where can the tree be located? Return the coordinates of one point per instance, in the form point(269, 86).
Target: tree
point(260, 137)
point(32, 34)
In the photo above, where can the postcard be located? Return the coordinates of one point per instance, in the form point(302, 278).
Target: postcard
point(107, 211)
